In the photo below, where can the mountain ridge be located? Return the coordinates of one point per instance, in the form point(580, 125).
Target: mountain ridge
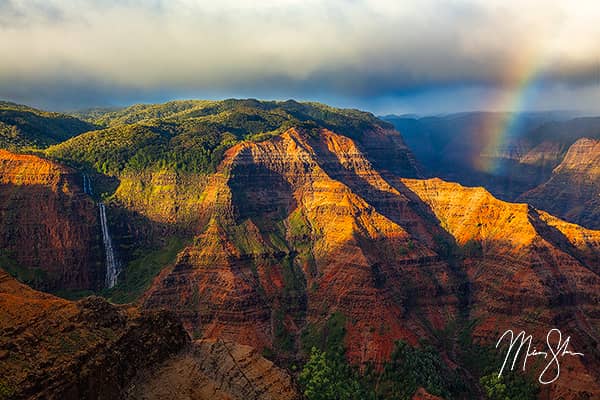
point(303, 226)
point(26, 127)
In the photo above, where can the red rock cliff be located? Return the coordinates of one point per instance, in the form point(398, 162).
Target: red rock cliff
point(573, 190)
point(301, 227)
point(297, 228)
point(527, 271)
point(49, 232)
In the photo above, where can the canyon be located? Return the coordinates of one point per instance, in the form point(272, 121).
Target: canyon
point(325, 230)
point(529, 157)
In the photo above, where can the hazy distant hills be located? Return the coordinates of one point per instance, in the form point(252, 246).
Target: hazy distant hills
point(509, 155)
point(573, 190)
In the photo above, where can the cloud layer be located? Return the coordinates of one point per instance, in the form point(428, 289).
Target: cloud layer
point(83, 52)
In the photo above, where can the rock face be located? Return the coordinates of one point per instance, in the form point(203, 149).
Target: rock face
point(302, 227)
point(465, 148)
point(215, 369)
point(49, 233)
point(299, 227)
point(55, 349)
point(527, 271)
point(573, 190)
point(421, 394)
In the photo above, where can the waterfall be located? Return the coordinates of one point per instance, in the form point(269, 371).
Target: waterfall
point(112, 264)
point(87, 185)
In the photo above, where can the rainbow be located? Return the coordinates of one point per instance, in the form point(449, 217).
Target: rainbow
point(518, 86)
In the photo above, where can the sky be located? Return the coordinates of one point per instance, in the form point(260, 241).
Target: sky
point(386, 56)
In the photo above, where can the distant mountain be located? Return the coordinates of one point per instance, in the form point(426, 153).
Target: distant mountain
point(506, 153)
point(22, 126)
point(573, 190)
point(94, 113)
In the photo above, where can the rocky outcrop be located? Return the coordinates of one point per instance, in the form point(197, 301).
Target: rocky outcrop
point(527, 271)
point(55, 349)
point(49, 233)
point(299, 227)
point(547, 154)
point(302, 227)
point(215, 369)
point(573, 190)
point(500, 151)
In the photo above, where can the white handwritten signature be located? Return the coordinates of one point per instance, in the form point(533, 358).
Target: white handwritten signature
point(559, 350)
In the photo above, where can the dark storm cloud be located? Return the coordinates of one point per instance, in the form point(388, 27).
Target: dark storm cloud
point(71, 52)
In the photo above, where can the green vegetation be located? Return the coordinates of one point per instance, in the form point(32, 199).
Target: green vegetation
point(508, 387)
point(140, 112)
point(22, 127)
point(327, 374)
point(283, 341)
point(294, 282)
point(293, 303)
point(329, 336)
point(31, 276)
point(298, 227)
point(138, 274)
point(331, 378)
point(73, 294)
point(411, 368)
point(133, 280)
point(484, 362)
point(6, 390)
point(192, 136)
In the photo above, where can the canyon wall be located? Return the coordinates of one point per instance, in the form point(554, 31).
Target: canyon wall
point(573, 190)
point(49, 231)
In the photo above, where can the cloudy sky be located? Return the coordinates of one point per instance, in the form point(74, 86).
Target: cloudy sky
point(413, 56)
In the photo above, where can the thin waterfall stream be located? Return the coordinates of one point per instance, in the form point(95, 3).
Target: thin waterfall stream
point(112, 262)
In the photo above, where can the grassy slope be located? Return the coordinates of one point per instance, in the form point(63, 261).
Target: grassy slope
point(140, 272)
point(24, 127)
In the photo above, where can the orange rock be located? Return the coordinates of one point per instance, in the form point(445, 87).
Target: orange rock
point(57, 349)
point(318, 210)
point(47, 225)
point(534, 272)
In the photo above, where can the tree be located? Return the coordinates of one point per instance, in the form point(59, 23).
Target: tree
point(511, 386)
point(325, 378)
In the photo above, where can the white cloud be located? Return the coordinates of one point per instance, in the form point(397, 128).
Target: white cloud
point(350, 47)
